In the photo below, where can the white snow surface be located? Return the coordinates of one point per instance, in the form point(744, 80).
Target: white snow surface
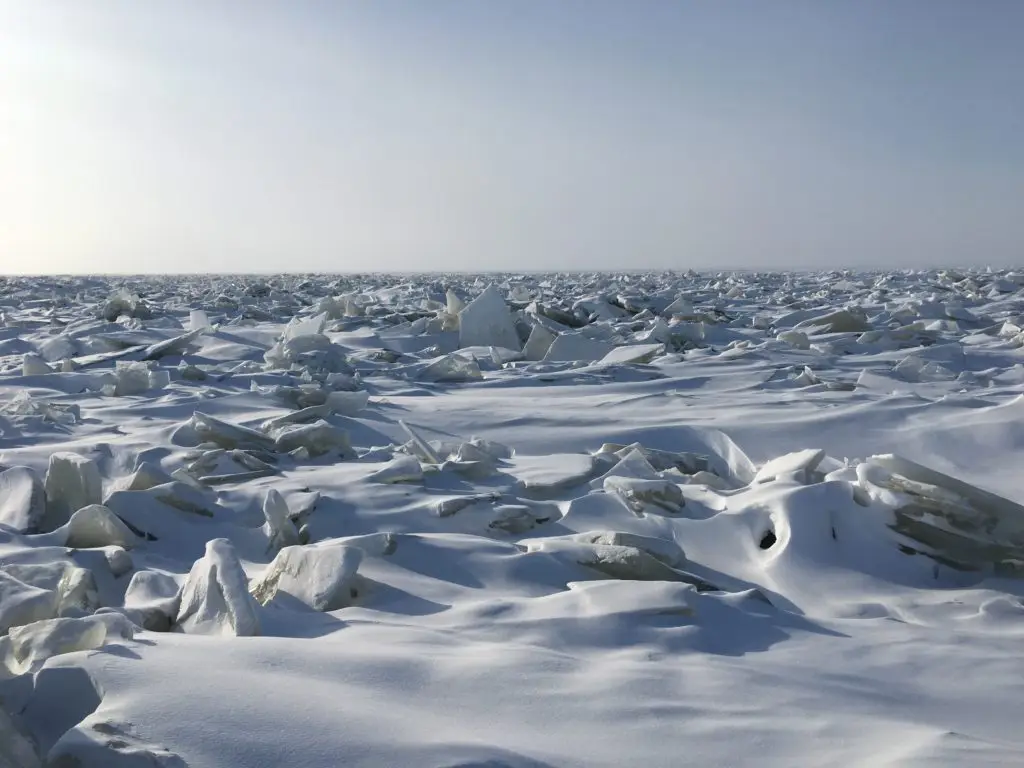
point(702, 519)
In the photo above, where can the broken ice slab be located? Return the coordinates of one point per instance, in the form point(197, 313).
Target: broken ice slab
point(30, 646)
point(486, 321)
point(198, 319)
point(618, 561)
point(403, 469)
point(953, 522)
point(516, 519)
point(152, 600)
point(33, 365)
point(309, 326)
point(22, 603)
point(640, 495)
point(215, 598)
point(839, 321)
point(455, 504)
point(136, 378)
point(124, 303)
point(322, 576)
point(633, 354)
point(146, 476)
point(538, 342)
point(796, 339)
point(317, 438)
point(668, 552)
point(279, 527)
point(799, 465)
point(545, 475)
point(73, 589)
point(314, 352)
point(72, 482)
point(22, 499)
point(576, 347)
point(23, 408)
point(203, 428)
point(452, 368)
point(96, 526)
point(177, 345)
point(659, 460)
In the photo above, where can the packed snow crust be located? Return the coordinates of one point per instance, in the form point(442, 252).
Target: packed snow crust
point(512, 520)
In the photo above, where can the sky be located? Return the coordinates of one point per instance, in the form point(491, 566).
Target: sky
point(371, 135)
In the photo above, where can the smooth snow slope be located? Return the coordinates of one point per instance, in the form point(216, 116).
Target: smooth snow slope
point(479, 559)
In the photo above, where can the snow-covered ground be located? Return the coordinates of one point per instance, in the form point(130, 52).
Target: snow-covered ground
point(498, 520)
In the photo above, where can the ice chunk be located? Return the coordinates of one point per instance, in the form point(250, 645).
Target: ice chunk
point(800, 466)
point(453, 304)
point(215, 599)
point(33, 365)
point(680, 307)
point(314, 352)
point(796, 339)
point(455, 504)
point(197, 320)
point(452, 368)
point(577, 347)
point(118, 560)
point(152, 600)
point(347, 403)
point(186, 497)
point(323, 575)
point(317, 438)
point(74, 588)
point(954, 522)
point(380, 544)
point(148, 475)
point(31, 645)
point(658, 460)
point(614, 560)
point(637, 353)
point(124, 303)
point(176, 345)
point(72, 482)
point(538, 343)
point(420, 447)
point(632, 464)
point(518, 518)
point(24, 406)
point(207, 429)
point(278, 528)
point(840, 321)
point(403, 469)
point(57, 348)
point(22, 603)
point(552, 473)
point(486, 321)
point(668, 552)
point(136, 378)
point(96, 526)
point(310, 326)
point(637, 493)
point(22, 499)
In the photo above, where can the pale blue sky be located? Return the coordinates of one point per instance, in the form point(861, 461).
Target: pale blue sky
point(197, 135)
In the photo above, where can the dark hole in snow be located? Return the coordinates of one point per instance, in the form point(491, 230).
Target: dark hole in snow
point(768, 539)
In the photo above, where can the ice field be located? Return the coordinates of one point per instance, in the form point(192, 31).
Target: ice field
point(559, 520)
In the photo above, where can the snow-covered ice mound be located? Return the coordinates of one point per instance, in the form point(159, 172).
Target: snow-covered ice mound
point(543, 520)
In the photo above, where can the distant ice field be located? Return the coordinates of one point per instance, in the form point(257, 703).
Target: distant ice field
point(544, 520)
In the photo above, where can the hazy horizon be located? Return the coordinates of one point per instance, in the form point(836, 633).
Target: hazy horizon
point(509, 136)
